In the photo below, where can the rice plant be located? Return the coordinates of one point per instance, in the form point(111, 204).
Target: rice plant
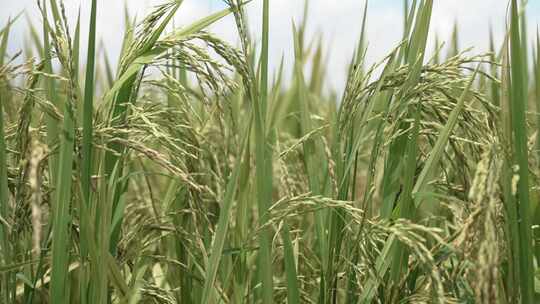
point(195, 172)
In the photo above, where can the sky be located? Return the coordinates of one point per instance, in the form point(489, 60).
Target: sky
point(338, 21)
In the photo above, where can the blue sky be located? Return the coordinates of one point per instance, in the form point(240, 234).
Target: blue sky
point(338, 22)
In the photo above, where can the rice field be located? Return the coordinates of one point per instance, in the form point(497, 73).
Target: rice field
point(193, 171)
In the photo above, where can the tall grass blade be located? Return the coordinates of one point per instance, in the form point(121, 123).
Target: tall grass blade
point(518, 108)
point(87, 130)
point(88, 109)
point(263, 159)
